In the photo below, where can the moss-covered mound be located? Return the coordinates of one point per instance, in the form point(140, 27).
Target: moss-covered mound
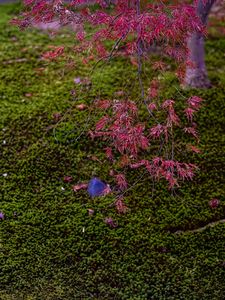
point(50, 247)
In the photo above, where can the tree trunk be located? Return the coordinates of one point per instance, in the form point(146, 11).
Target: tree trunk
point(196, 76)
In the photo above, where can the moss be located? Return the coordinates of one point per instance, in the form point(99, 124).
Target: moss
point(50, 248)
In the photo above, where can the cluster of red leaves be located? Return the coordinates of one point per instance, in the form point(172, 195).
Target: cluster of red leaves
point(194, 103)
point(158, 22)
point(153, 89)
point(53, 54)
point(122, 128)
point(121, 181)
point(121, 206)
point(170, 170)
point(128, 137)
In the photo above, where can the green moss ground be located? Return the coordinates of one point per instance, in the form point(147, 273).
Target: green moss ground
point(52, 249)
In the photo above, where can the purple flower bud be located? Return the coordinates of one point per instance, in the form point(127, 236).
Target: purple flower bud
point(163, 250)
point(56, 116)
point(214, 203)
point(77, 80)
point(73, 92)
point(90, 212)
point(109, 221)
point(2, 216)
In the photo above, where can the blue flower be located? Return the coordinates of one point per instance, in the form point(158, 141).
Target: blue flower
point(96, 187)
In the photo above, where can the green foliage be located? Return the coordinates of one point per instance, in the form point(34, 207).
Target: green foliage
point(52, 248)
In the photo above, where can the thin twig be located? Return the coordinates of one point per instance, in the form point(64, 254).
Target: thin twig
point(200, 229)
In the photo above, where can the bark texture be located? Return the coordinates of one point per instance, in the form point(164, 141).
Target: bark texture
point(196, 76)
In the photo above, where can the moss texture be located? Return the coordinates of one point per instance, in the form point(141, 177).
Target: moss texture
point(50, 248)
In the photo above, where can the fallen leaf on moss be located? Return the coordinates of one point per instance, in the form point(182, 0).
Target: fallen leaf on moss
point(67, 179)
point(79, 186)
point(81, 106)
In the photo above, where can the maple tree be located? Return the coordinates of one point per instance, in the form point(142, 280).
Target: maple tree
point(133, 26)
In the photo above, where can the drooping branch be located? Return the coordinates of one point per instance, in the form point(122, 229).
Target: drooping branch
point(131, 24)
